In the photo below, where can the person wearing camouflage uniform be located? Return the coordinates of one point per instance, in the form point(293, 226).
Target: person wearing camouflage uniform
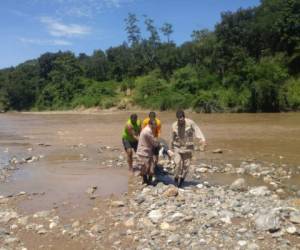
point(184, 131)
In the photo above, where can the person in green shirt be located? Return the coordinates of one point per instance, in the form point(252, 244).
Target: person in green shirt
point(130, 137)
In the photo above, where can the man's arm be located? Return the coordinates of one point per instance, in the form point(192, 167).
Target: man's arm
point(173, 136)
point(198, 134)
point(132, 132)
point(153, 141)
point(158, 128)
point(145, 123)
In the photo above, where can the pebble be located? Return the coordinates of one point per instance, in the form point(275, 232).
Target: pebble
point(117, 204)
point(291, 229)
point(155, 216)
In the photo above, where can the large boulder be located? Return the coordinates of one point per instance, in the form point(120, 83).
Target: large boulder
point(267, 220)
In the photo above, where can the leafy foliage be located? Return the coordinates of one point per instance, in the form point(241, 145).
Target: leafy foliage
point(249, 63)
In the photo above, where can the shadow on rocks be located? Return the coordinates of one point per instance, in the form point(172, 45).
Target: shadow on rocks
point(167, 179)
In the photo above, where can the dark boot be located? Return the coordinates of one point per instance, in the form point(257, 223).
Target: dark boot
point(181, 180)
point(176, 181)
point(149, 179)
point(145, 179)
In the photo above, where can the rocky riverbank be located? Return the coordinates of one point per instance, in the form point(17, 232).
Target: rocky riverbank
point(199, 215)
point(58, 173)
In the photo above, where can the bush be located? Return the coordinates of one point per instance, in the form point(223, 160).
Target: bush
point(95, 94)
point(206, 101)
point(185, 80)
point(266, 78)
point(292, 93)
point(148, 88)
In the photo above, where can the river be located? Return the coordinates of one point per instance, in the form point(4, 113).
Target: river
point(68, 145)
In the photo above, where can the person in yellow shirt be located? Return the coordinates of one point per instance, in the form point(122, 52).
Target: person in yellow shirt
point(152, 116)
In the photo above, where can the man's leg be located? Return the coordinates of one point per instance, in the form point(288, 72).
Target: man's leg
point(129, 152)
point(143, 162)
point(186, 162)
point(155, 156)
point(144, 173)
point(178, 167)
point(151, 169)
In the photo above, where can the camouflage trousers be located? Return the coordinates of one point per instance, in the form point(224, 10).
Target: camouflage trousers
point(182, 161)
point(147, 165)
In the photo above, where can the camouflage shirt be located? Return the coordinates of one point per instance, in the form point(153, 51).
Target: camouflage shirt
point(183, 136)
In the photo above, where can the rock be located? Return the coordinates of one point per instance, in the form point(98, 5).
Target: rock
point(5, 217)
point(97, 228)
point(11, 240)
point(242, 243)
point(23, 220)
point(117, 204)
point(267, 220)
point(31, 159)
point(188, 218)
point(200, 186)
point(291, 229)
point(226, 220)
point(164, 226)
point(240, 170)
point(251, 168)
point(252, 246)
point(155, 216)
point(154, 233)
point(239, 185)
point(295, 217)
point(13, 227)
point(91, 190)
point(201, 170)
point(130, 222)
point(298, 193)
point(140, 199)
point(274, 184)
point(280, 191)
point(52, 225)
point(145, 222)
point(42, 231)
point(260, 191)
point(75, 224)
point(171, 192)
point(242, 230)
point(177, 216)
point(3, 232)
point(42, 214)
point(174, 238)
point(217, 151)
point(4, 200)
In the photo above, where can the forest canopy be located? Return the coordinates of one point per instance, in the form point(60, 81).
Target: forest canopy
point(250, 62)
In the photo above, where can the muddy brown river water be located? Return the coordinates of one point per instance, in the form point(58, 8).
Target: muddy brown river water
point(78, 151)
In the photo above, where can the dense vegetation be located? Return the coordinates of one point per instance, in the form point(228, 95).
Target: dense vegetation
point(249, 63)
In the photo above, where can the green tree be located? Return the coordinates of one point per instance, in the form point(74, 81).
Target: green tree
point(154, 38)
point(132, 29)
point(266, 79)
point(167, 30)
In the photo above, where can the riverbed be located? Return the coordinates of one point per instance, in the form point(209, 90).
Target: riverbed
point(78, 150)
point(65, 184)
